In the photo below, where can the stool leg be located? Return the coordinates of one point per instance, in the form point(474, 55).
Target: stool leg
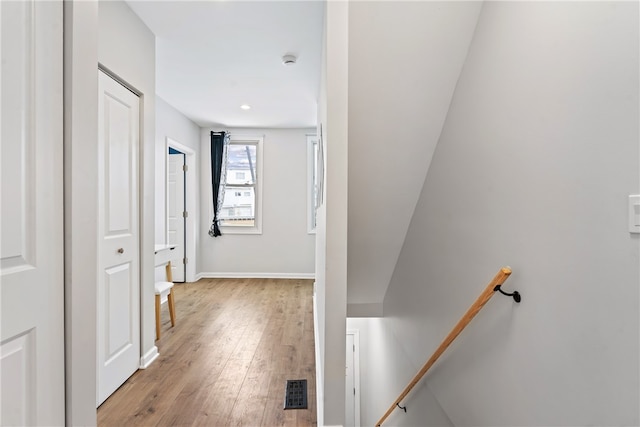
point(168, 272)
point(157, 317)
point(172, 308)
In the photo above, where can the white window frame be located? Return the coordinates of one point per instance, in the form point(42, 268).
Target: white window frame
point(257, 227)
point(312, 161)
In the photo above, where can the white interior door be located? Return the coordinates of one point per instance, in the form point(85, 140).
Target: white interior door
point(31, 251)
point(350, 389)
point(175, 213)
point(352, 380)
point(119, 278)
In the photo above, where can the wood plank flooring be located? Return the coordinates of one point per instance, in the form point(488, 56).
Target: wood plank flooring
point(226, 362)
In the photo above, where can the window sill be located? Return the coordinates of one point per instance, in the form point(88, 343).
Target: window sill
point(240, 230)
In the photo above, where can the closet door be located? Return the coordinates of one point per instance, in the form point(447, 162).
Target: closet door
point(31, 217)
point(119, 245)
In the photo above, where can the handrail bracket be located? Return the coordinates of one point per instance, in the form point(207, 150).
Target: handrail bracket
point(516, 295)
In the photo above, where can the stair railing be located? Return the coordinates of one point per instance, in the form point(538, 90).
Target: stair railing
point(484, 297)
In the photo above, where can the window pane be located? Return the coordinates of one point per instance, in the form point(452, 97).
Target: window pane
point(241, 166)
point(238, 208)
point(312, 182)
point(315, 181)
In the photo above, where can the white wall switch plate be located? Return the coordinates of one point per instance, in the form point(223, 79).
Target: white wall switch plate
point(634, 214)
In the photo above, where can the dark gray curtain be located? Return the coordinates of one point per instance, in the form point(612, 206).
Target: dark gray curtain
point(217, 150)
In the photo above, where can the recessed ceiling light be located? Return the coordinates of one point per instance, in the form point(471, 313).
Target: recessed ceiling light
point(245, 107)
point(289, 59)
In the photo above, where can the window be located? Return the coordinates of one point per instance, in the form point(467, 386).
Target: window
point(312, 182)
point(241, 209)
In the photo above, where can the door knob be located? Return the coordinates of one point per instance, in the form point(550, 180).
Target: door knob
point(121, 251)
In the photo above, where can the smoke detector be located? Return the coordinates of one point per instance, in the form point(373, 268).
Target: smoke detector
point(289, 59)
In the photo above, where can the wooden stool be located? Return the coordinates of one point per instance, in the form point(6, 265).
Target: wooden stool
point(162, 289)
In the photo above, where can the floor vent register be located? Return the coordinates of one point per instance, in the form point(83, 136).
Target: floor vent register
point(295, 396)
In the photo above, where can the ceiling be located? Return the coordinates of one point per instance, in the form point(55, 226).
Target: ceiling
point(214, 56)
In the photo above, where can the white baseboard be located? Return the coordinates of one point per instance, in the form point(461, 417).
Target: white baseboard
point(231, 275)
point(149, 357)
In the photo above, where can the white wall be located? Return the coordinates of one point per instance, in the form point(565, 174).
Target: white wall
point(321, 241)
point(126, 47)
point(537, 156)
point(331, 231)
point(284, 249)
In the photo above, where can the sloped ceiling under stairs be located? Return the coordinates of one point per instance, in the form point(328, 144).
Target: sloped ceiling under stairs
point(404, 62)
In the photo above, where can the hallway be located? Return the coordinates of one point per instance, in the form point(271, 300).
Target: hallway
point(226, 362)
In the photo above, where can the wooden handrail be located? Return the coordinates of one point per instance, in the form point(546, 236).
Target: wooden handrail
point(484, 297)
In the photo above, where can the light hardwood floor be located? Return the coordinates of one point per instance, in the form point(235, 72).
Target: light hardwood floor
point(226, 362)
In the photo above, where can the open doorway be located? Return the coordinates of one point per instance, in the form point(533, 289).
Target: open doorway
point(180, 208)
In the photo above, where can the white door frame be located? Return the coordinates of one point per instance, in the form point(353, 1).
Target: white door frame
point(356, 372)
point(81, 208)
point(190, 204)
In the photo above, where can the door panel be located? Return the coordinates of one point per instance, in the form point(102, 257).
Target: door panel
point(18, 376)
point(175, 218)
point(119, 281)
point(117, 309)
point(31, 221)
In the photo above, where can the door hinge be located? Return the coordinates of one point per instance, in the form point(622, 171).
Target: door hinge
point(354, 391)
point(185, 260)
point(185, 168)
point(354, 348)
point(185, 214)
